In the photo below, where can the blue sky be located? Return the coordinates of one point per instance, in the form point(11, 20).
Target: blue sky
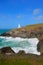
point(24, 12)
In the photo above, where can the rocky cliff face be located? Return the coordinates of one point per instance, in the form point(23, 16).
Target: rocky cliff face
point(28, 32)
point(40, 46)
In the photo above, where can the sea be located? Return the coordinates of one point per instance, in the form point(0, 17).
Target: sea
point(28, 45)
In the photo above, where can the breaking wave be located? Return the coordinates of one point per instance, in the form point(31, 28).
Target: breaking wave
point(17, 44)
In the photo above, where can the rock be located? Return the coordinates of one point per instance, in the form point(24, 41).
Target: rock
point(5, 34)
point(0, 51)
point(26, 32)
point(21, 52)
point(40, 46)
point(7, 51)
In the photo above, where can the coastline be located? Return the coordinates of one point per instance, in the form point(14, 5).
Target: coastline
point(9, 57)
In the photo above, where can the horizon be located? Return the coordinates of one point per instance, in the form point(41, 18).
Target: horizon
point(23, 12)
point(19, 27)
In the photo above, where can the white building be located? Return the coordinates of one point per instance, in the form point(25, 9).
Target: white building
point(19, 26)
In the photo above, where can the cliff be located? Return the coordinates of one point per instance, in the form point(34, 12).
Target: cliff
point(26, 32)
point(29, 31)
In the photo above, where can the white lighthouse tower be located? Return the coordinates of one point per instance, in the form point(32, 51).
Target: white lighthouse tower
point(19, 26)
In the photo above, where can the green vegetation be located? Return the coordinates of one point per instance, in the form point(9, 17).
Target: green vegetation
point(21, 60)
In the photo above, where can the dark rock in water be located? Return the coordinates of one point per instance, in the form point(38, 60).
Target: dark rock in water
point(40, 46)
point(7, 51)
point(5, 34)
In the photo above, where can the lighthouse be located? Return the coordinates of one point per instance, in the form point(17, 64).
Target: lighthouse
point(19, 26)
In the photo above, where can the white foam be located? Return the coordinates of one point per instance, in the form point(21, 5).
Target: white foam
point(24, 46)
point(27, 50)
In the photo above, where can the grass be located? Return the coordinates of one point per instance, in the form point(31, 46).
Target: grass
point(34, 27)
point(21, 60)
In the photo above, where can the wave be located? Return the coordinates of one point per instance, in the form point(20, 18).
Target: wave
point(17, 44)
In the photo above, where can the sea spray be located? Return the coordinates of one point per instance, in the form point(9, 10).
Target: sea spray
point(17, 44)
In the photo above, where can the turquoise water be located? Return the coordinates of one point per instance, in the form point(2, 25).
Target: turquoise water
point(17, 44)
point(4, 30)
